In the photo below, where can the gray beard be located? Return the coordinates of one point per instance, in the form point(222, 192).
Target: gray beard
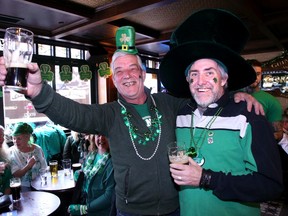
point(205, 104)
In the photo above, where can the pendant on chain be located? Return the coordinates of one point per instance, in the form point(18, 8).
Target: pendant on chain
point(199, 159)
point(210, 137)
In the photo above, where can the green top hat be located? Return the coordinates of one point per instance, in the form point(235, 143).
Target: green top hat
point(125, 40)
point(208, 33)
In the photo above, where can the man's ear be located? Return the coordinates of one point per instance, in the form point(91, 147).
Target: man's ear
point(143, 73)
point(114, 82)
point(224, 81)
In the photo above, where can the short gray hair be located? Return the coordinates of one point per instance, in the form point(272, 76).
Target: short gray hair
point(120, 54)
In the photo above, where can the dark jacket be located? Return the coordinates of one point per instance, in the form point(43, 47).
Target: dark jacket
point(71, 149)
point(142, 186)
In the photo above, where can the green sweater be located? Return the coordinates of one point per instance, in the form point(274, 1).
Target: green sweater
point(240, 149)
point(142, 186)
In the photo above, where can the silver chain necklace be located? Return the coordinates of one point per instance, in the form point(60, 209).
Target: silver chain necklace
point(131, 136)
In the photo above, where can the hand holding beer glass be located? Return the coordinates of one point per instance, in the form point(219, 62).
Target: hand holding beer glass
point(177, 153)
point(17, 52)
point(15, 186)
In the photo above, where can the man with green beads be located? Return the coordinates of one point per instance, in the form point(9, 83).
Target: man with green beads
point(234, 163)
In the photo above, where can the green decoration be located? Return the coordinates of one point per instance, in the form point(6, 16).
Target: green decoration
point(46, 72)
point(215, 79)
point(85, 73)
point(151, 134)
point(104, 70)
point(66, 73)
point(125, 40)
point(191, 152)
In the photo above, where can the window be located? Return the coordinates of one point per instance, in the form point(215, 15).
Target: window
point(75, 53)
point(61, 52)
point(151, 82)
point(44, 49)
point(18, 109)
point(77, 89)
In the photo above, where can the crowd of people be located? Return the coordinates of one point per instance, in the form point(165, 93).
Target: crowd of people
point(25, 159)
point(235, 163)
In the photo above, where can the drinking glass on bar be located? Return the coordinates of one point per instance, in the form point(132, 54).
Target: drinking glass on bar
point(76, 166)
point(66, 163)
point(17, 52)
point(53, 168)
point(177, 153)
point(43, 175)
point(15, 186)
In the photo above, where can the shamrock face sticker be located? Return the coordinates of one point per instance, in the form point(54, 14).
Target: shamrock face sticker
point(85, 73)
point(66, 73)
point(104, 70)
point(46, 72)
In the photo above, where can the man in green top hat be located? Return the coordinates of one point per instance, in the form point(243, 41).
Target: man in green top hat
point(139, 125)
point(236, 163)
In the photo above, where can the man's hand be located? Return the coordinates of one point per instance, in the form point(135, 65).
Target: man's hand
point(186, 174)
point(250, 100)
point(34, 79)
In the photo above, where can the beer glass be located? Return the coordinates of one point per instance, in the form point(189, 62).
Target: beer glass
point(43, 175)
point(66, 163)
point(15, 186)
point(177, 153)
point(53, 168)
point(76, 166)
point(17, 52)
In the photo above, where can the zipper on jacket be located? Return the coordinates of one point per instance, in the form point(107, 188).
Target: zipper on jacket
point(126, 186)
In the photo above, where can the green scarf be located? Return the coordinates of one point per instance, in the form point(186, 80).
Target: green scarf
point(91, 168)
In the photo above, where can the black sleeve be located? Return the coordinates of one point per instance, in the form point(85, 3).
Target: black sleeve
point(67, 148)
point(263, 184)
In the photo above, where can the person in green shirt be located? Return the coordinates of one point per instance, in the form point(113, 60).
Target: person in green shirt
point(271, 105)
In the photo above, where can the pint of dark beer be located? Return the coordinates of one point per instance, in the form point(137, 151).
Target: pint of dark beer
point(17, 52)
point(16, 78)
point(15, 186)
point(76, 166)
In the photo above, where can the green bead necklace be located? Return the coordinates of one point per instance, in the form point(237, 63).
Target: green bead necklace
point(143, 138)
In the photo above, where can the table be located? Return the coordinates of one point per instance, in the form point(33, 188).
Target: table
point(60, 184)
point(35, 203)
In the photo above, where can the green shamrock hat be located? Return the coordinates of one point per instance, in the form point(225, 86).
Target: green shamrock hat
point(207, 33)
point(125, 40)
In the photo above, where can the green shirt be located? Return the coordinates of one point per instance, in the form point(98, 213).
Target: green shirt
point(271, 105)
